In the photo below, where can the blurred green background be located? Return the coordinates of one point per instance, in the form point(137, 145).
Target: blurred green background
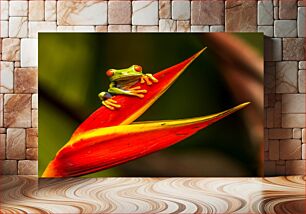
point(72, 72)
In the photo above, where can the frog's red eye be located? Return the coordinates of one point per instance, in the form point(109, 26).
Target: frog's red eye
point(138, 68)
point(109, 73)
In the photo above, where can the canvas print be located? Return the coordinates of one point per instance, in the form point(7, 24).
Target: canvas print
point(150, 104)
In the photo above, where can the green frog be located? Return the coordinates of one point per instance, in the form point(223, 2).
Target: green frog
point(122, 81)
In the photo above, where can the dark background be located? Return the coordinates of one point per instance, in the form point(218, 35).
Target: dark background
point(72, 72)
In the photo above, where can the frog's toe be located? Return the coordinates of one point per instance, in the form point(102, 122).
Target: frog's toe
point(142, 80)
point(140, 95)
point(107, 106)
point(111, 100)
point(138, 92)
point(135, 88)
point(146, 78)
point(142, 91)
point(114, 105)
point(152, 78)
point(110, 104)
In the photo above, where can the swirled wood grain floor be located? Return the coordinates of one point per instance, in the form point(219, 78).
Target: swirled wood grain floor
point(27, 194)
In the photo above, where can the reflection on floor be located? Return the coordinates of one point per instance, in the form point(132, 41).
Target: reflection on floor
point(153, 195)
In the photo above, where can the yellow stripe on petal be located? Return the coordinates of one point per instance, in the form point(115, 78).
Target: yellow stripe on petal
point(113, 131)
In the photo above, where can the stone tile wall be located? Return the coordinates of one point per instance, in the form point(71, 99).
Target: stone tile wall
point(283, 20)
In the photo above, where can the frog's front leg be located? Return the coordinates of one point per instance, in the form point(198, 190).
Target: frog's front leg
point(147, 78)
point(107, 101)
point(135, 91)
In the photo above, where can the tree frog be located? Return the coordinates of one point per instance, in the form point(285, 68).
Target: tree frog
point(121, 82)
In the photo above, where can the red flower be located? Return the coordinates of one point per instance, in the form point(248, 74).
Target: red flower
point(105, 139)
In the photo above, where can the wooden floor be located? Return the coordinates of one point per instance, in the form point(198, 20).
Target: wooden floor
point(153, 195)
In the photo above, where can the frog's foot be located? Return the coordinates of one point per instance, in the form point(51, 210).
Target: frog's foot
point(146, 78)
point(137, 91)
point(111, 104)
